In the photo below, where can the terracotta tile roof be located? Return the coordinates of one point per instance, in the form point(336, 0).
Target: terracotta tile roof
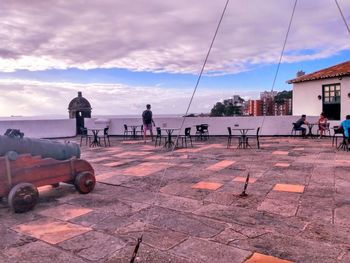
point(342, 69)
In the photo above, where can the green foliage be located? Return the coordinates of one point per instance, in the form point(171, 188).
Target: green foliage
point(225, 109)
point(283, 95)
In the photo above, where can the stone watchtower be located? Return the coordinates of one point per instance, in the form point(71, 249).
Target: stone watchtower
point(79, 108)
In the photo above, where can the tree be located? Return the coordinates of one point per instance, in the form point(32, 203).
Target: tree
point(283, 95)
point(218, 110)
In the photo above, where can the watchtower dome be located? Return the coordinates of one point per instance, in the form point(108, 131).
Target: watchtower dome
point(79, 108)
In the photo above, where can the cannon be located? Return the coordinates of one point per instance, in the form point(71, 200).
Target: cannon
point(28, 163)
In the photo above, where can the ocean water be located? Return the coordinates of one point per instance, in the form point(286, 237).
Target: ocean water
point(53, 117)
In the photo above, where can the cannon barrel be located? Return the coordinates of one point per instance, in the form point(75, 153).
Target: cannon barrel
point(43, 147)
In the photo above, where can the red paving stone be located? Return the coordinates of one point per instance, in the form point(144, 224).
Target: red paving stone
point(280, 152)
point(207, 185)
point(97, 160)
point(294, 188)
point(261, 258)
point(243, 179)
point(118, 163)
point(282, 165)
point(220, 165)
point(51, 230)
point(145, 169)
point(65, 212)
point(130, 154)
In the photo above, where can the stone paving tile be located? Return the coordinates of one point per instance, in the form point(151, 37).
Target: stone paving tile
point(290, 248)
point(39, 252)
point(146, 254)
point(316, 208)
point(178, 203)
point(243, 179)
point(94, 246)
point(118, 163)
point(280, 153)
point(197, 249)
point(145, 169)
point(192, 225)
point(65, 212)
point(220, 165)
point(341, 215)
point(289, 188)
point(222, 198)
point(261, 258)
point(279, 206)
point(97, 160)
point(282, 164)
point(51, 230)
point(113, 178)
point(163, 239)
point(130, 154)
point(207, 185)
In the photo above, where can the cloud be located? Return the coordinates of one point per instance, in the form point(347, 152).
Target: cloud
point(29, 98)
point(165, 36)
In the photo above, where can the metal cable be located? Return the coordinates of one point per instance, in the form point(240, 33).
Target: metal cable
point(342, 15)
point(183, 121)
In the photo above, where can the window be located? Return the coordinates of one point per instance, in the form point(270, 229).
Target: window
point(331, 101)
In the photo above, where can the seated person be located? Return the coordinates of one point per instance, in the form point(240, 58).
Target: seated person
point(322, 124)
point(345, 125)
point(299, 123)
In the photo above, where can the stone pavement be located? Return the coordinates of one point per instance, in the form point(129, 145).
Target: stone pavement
point(187, 206)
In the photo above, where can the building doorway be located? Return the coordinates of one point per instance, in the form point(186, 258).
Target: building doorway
point(79, 121)
point(331, 101)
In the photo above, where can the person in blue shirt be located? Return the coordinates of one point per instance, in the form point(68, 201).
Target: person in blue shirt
point(298, 125)
point(346, 125)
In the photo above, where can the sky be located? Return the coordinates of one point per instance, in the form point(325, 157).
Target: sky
point(123, 55)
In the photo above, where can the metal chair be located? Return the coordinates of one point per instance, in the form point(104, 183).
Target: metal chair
point(159, 137)
point(344, 145)
point(337, 131)
point(140, 132)
point(84, 135)
point(105, 137)
point(126, 132)
point(294, 130)
point(205, 131)
point(255, 136)
point(326, 130)
point(186, 136)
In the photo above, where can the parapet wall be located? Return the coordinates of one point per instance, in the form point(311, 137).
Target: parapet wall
point(58, 128)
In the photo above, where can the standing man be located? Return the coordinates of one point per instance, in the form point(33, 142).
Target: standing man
point(147, 120)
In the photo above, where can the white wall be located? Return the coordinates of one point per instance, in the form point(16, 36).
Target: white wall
point(54, 128)
point(271, 125)
point(305, 96)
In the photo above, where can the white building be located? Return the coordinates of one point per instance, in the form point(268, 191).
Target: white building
point(326, 90)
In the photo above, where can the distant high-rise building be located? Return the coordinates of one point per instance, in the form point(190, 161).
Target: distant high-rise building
point(254, 108)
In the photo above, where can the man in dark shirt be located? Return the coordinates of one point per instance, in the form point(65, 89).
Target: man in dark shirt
point(298, 125)
point(147, 120)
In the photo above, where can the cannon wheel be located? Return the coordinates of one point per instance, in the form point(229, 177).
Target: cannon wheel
point(23, 197)
point(85, 182)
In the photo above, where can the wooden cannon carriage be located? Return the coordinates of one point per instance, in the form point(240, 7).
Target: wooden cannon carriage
point(21, 172)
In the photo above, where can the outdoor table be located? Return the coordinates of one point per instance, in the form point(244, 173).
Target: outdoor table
point(243, 143)
point(310, 126)
point(95, 141)
point(169, 142)
point(134, 128)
